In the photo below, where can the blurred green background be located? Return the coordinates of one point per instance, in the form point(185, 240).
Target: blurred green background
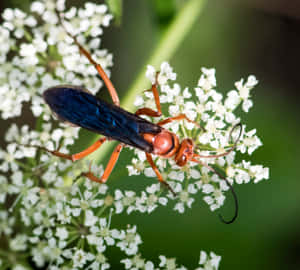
point(238, 39)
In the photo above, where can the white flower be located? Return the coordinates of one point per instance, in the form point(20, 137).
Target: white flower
point(138, 164)
point(249, 141)
point(207, 80)
point(104, 232)
point(28, 51)
point(242, 95)
point(184, 200)
point(169, 263)
point(166, 73)
point(62, 233)
point(99, 263)
point(19, 242)
point(80, 258)
point(259, 172)
point(210, 262)
point(151, 73)
point(136, 262)
point(126, 200)
point(6, 223)
point(129, 241)
point(215, 136)
point(38, 7)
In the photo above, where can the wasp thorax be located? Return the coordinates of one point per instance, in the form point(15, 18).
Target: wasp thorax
point(164, 143)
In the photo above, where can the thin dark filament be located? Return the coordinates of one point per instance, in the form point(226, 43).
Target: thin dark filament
point(230, 187)
point(230, 149)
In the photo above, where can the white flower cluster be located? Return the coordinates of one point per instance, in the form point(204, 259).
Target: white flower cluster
point(206, 262)
point(69, 226)
point(62, 226)
point(59, 219)
point(70, 230)
point(36, 53)
point(216, 135)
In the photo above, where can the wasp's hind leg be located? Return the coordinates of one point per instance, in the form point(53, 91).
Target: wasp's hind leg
point(109, 167)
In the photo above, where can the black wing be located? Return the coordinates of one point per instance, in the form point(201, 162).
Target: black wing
point(79, 107)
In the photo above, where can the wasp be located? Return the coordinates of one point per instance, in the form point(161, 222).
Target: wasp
point(77, 106)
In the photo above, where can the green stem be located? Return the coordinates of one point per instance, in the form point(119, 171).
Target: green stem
point(23, 166)
point(165, 49)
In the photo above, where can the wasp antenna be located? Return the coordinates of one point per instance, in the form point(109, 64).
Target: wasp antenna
point(240, 134)
point(230, 187)
point(235, 202)
point(233, 194)
point(61, 16)
point(230, 150)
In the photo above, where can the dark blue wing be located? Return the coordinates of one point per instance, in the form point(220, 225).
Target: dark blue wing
point(79, 107)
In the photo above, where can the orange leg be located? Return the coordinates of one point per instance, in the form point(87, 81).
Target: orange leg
point(111, 89)
point(89, 150)
point(177, 118)
point(109, 167)
point(73, 157)
point(159, 176)
point(148, 111)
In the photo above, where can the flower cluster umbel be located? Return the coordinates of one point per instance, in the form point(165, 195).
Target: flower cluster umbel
point(216, 135)
point(49, 215)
